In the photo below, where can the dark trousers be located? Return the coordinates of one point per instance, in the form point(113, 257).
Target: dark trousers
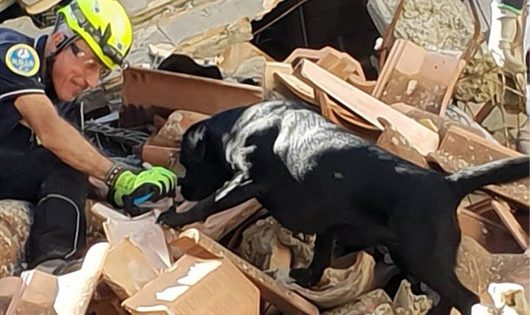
point(32, 173)
point(518, 4)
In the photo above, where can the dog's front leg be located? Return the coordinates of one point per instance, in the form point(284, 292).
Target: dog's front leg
point(210, 205)
point(310, 276)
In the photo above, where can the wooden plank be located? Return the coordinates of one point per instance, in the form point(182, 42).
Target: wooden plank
point(421, 138)
point(394, 142)
point(365, 86)
point(328, 57)
point(339, 114)
point(503, 210)
point(460, 149)
point(197, 244)
point(168, 90)
point(268, 81)
point(418, 77)
point(297, 87)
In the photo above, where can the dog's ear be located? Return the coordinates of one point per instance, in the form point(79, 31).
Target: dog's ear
point(197, 137)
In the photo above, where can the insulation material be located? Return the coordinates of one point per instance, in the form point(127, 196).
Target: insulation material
point(200, 29)
point(340, 286)
point(444, 25)
point(15, 223)
point(378, 302)
point(256, 245)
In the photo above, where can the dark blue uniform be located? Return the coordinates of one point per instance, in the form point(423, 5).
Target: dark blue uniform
point(29, 171)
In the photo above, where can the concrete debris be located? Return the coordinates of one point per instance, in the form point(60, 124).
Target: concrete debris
point(199, 29)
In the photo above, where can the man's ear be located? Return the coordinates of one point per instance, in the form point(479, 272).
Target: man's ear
point(198, 136)
point(58, 39)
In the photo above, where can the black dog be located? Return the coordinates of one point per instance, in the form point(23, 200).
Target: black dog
point(315, 177)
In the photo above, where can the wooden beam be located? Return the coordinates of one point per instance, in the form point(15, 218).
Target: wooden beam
point(369, 108)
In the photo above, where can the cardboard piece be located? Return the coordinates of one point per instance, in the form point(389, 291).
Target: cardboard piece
point(195, 243)
point(418, 77)
point(142, 230)
point(460, 149)
point(197, 286)
point(76, 288)
point(127, 269)
point(9, 286)
point(149, 92)
point(36, 295)
point(421, 138)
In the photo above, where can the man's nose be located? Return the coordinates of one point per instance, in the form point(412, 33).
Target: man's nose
point(92, 79)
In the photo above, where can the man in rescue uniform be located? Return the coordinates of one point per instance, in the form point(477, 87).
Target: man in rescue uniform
point(43, 157)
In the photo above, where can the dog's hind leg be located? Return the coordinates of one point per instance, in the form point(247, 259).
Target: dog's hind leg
point(311, 275)
point(429, 254)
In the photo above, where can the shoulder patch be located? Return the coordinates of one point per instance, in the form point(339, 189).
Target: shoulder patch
point(23, 60)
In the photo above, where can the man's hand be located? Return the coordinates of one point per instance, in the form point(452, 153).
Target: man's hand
point(131, 190)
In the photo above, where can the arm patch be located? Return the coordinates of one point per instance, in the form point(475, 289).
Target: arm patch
point(23, 60)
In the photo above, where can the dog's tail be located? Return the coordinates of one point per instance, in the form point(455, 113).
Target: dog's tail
point(495, 172)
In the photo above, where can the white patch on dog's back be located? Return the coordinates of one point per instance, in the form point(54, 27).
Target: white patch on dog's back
point(303, 134)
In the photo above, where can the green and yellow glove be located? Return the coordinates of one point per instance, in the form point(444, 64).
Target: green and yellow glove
point(129, 190)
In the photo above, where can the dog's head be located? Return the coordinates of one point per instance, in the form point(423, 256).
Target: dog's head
point(205, 165)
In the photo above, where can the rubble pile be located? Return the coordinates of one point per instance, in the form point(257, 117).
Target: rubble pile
point(237, 261)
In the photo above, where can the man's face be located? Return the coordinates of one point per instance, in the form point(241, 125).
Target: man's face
point(75, 69)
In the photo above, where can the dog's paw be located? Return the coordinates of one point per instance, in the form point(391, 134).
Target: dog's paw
point(303, 277)
point(170, 218)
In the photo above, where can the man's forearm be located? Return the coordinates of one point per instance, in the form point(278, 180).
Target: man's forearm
point(72, 148)
point(60, 137)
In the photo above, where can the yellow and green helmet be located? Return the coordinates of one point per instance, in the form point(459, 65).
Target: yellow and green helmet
point(104, 25)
